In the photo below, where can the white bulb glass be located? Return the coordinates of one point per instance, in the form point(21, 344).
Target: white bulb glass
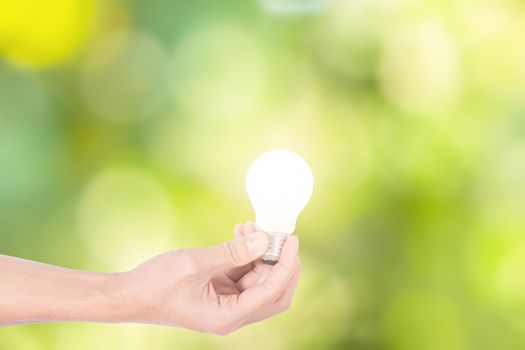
point(279, 184)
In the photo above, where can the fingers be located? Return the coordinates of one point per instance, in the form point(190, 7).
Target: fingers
point(257, 275)
point(234, 253)
point(282, 304)
point(267, 292)
point(249, 227)
point(238, 230)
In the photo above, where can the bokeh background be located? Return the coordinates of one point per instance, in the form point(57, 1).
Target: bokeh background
point(127, 128)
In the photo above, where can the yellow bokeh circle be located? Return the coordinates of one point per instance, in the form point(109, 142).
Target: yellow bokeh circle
point(37, 33)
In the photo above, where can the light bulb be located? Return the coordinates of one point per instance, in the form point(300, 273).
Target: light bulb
point(279, 184)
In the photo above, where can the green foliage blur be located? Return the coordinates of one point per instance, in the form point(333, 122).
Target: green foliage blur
point(127, 128)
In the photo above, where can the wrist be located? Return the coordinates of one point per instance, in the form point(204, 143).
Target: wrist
point(121, 299)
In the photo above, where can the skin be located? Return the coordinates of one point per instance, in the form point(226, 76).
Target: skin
point(214, 290)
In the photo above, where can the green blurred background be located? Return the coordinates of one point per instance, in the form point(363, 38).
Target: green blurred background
point(127, 128)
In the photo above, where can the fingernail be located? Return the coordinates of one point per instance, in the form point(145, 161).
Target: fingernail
point(257, 243)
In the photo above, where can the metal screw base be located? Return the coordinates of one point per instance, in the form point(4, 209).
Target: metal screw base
point(271, 257)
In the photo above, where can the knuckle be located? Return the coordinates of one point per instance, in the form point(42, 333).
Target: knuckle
point(233, 252)
point(237, 229)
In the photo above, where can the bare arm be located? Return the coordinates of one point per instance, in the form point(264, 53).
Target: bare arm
point(217, 289)
point(35, 292)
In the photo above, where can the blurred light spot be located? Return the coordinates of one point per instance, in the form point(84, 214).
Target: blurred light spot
point(294, 7)
point(38, 33)
point(125, 77)
point(412, 319)
point(419, 68)
point(347, 38)
point(125, 217)
point(220, 73)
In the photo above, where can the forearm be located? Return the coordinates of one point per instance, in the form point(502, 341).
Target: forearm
point(35, 292)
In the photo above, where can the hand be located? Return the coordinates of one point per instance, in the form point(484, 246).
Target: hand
point(218, 289)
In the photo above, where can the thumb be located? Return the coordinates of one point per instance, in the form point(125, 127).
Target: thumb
point(238, 252)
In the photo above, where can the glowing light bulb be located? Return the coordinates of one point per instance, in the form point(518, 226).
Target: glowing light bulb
point(279, 184)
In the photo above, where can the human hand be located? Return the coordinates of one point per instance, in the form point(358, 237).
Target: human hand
point(218, 289)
